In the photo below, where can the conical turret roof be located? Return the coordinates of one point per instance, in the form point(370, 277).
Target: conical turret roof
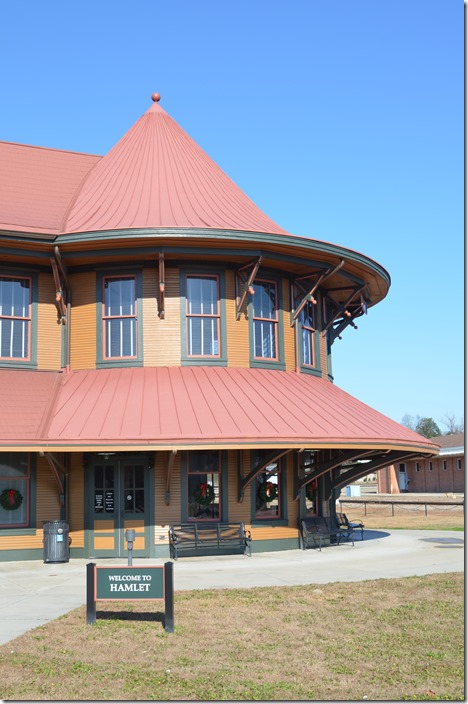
point(156, 176)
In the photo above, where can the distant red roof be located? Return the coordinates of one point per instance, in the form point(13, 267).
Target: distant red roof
point(37, 185)
point(179, 407)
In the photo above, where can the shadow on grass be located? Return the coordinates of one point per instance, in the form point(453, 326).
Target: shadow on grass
point(155, 617)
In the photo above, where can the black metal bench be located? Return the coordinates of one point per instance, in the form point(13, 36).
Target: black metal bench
point(194, 537)
point(315, 531)
point(350, 525)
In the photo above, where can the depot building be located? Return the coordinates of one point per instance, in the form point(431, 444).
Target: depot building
point(166, 353)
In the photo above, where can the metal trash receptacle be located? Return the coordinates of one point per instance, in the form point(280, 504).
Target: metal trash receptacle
point(56, 541)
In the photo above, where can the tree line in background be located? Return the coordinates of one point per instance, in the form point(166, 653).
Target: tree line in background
point(428, 428)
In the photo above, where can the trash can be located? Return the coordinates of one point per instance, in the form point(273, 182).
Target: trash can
point(56, 541)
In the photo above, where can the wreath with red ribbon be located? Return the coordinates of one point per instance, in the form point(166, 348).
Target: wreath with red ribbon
point(311, 491)
point(11, 499)
point(204, 494)
point(268, 491)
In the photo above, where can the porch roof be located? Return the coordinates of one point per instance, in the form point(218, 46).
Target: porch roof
point(165, 408)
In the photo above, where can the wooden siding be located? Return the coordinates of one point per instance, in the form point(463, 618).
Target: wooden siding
point(323, 355)
point(238, 512)
point(161, 337)
point(288, 331)
point(47, 493)
point(83, 321)
point(49, 337)
point(237, 331)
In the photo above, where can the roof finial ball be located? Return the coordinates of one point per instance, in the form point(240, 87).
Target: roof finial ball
point(156, 97)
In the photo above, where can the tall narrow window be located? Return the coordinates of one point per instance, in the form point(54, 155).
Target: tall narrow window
point(265, 320)
point(14, 489)
point(204, 480)
point(307, 319)
point(203, 316)
point(119, 317)
point(15, 317)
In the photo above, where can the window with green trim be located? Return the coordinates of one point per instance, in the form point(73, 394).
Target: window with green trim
point(204, 485)
point(15, 479)
point(15, 318)
point(307, 330)
point(268, 488)
point(119, 317)
point(202, 316)
point(265, 320)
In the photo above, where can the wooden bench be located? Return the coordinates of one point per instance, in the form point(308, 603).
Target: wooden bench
point(194, 537)
point(350, 525)
point(314, 531)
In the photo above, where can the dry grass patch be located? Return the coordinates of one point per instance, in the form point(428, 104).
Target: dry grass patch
point(384, 639)
point(406, 516)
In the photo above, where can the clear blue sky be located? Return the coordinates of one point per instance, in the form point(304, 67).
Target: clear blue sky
point(343, 120)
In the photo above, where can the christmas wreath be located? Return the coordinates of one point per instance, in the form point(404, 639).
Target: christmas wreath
point(267, 492)
point(204, 494)
point(311, 491)
point(11, 499)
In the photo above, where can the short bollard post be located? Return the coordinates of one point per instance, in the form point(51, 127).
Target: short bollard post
point(169, 597)
point(90, 593)
point(130, 537)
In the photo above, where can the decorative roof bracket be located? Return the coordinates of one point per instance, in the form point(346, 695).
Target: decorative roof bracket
point(341, 310)
point(57, 469)
point(247, 282)
point(62, 286)
point(162, 286)
point(322, 468)
point(310, 294)
point(243, 482)
point(383, 460)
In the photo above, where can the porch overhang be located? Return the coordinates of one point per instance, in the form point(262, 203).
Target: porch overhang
point(190, 408)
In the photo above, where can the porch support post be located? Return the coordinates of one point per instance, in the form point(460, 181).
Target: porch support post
point(169, 468)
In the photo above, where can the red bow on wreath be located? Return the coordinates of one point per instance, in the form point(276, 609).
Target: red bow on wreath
point(11, 496)
point(203, 489)
point(268, 489)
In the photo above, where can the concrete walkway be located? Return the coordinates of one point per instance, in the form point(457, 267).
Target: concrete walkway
point(33, 593)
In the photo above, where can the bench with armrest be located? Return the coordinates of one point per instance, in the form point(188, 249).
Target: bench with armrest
point(339, 530)
point(193, 537)
point(315, 531)
point(350, 525)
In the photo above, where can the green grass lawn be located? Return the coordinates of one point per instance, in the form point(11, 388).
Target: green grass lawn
point(385, 639)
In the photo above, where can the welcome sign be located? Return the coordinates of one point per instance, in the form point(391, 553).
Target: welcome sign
point(129, 583)
point(126, 583)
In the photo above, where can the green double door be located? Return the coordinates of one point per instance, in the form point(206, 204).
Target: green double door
point(118, 496)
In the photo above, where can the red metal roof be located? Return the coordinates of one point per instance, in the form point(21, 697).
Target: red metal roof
point(37, 185)
point(25, 400)
point(157, 176)
point(177, 407)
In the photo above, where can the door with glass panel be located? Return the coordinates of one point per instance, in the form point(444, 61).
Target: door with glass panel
point(120, 500)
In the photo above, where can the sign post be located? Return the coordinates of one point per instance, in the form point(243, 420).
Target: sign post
point(128, 583)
